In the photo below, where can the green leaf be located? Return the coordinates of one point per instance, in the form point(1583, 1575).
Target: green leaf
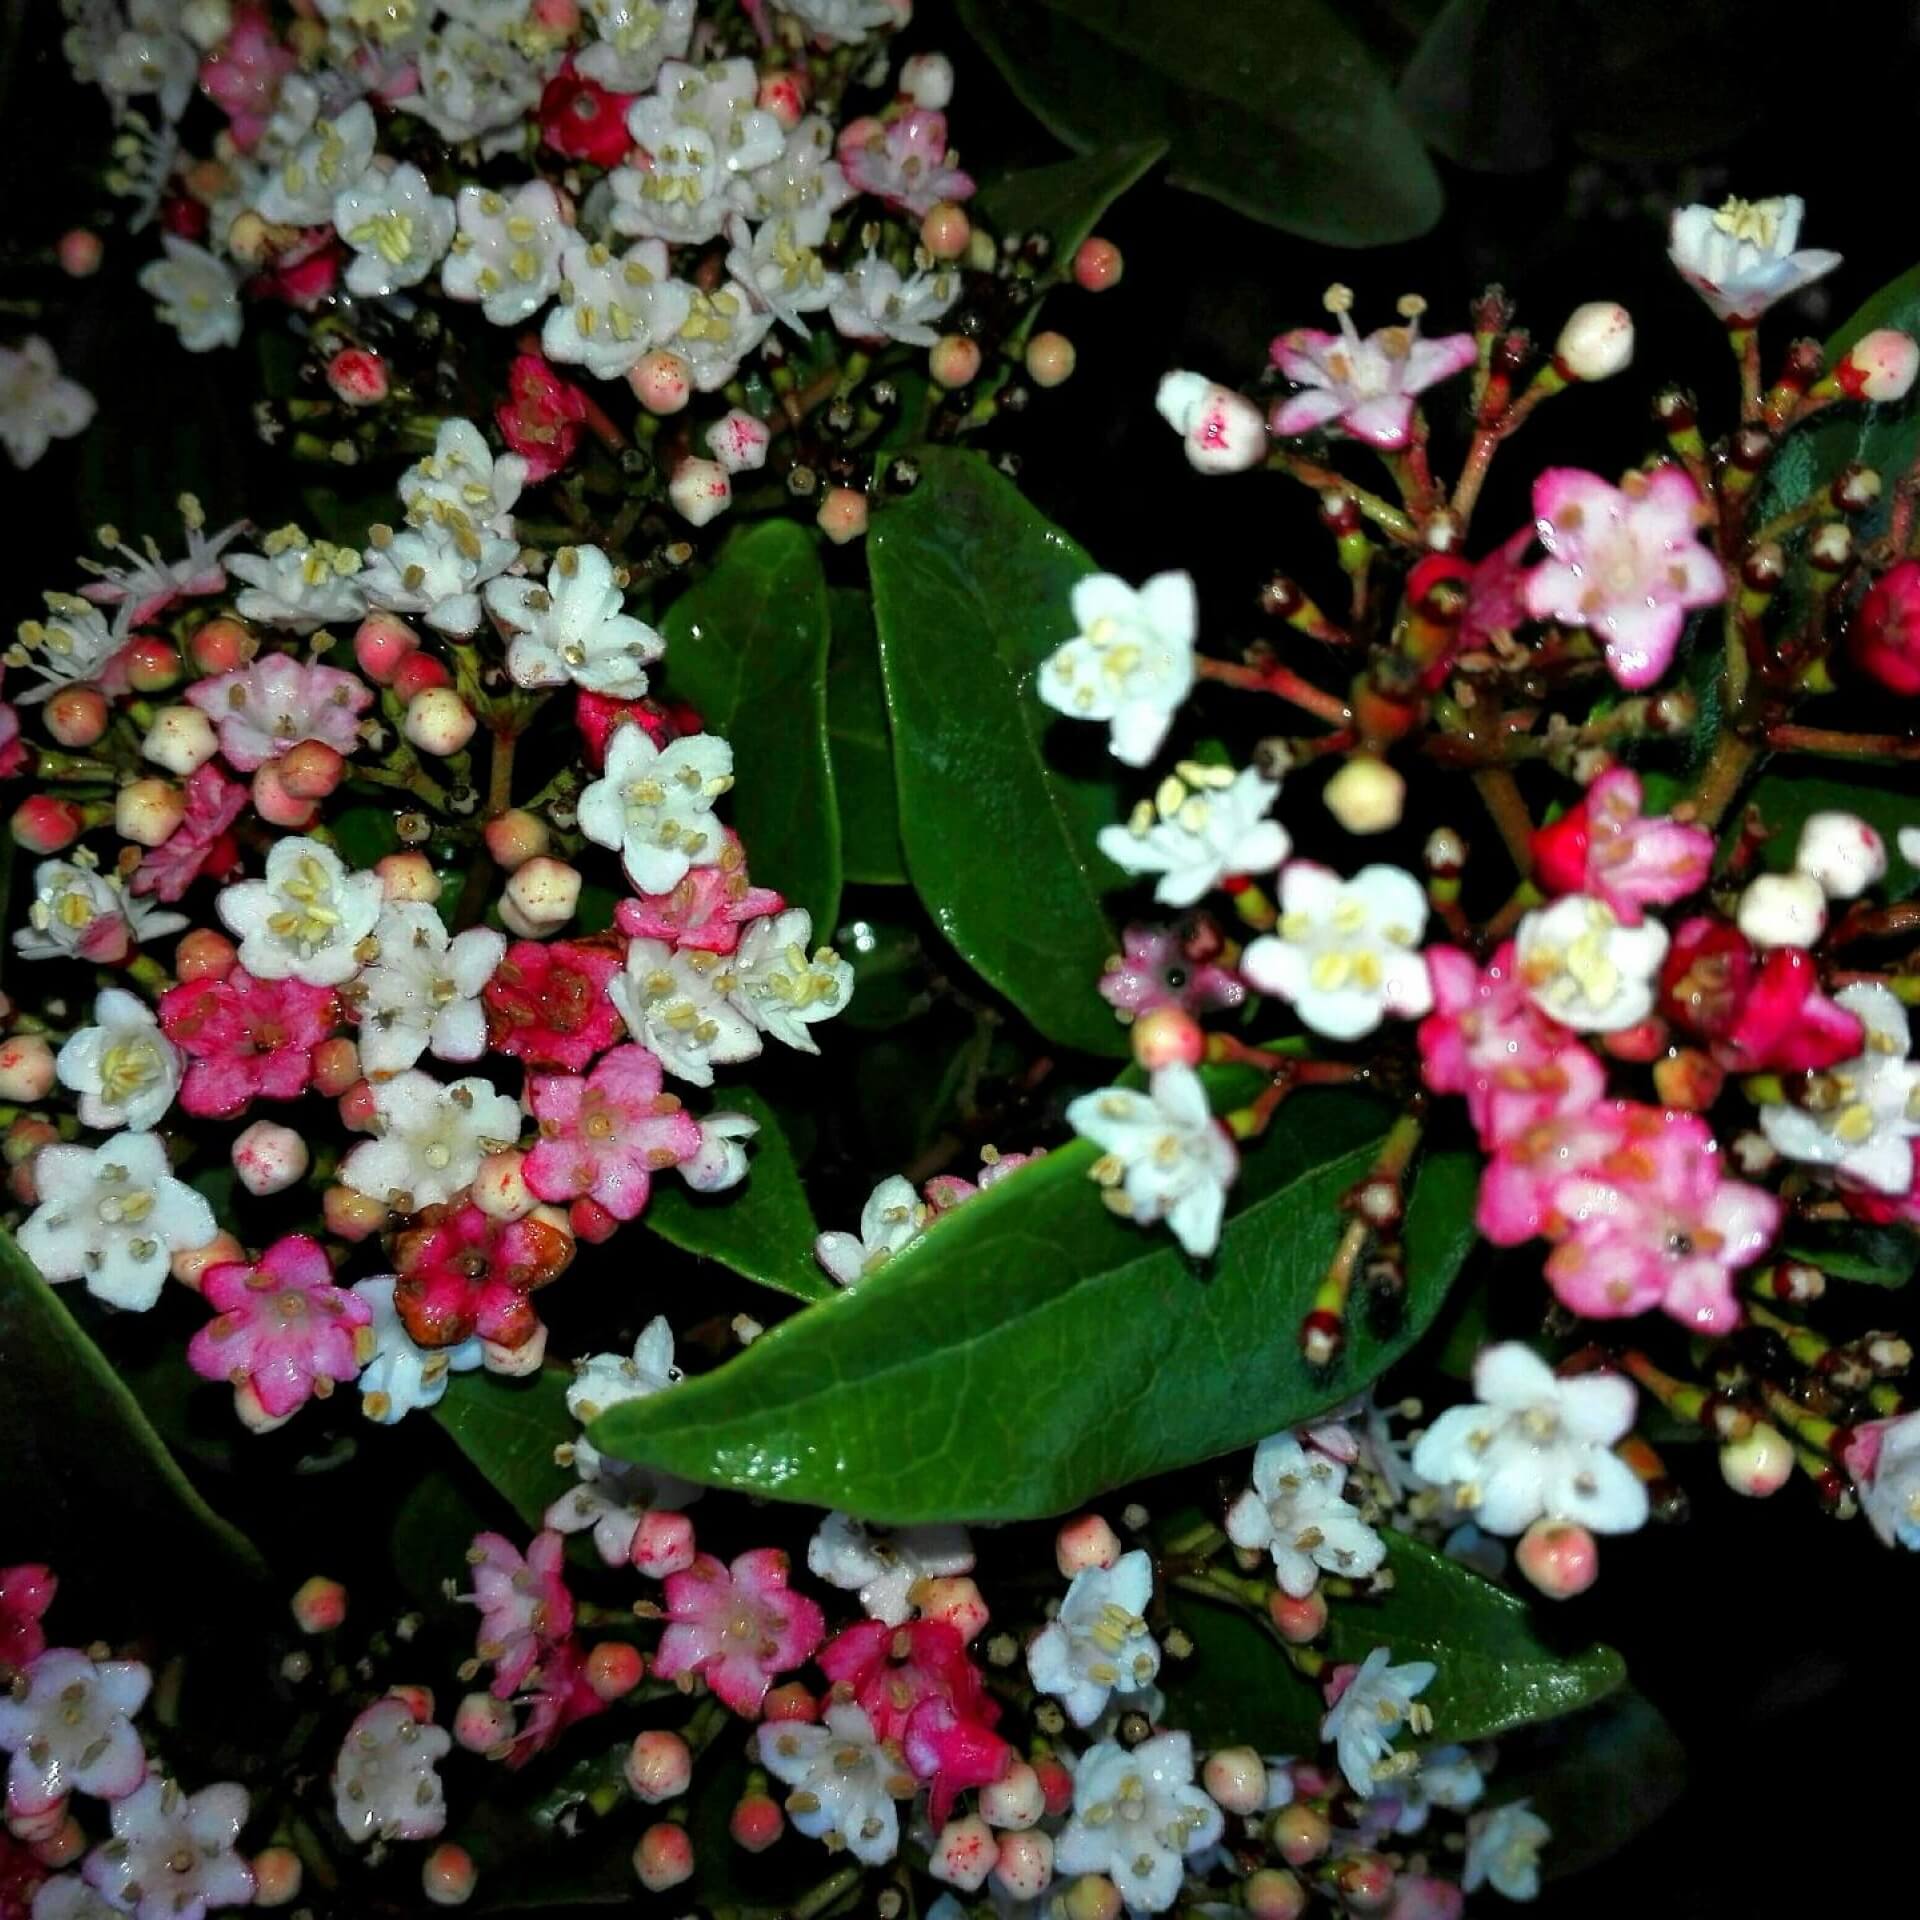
point(748, 647)
point(1869, 1256)
point(1067, 200)
point(890, 973)
point(1480, 85)
point(971, 591)
point(365, 834)
point(763, 1227)
point(77, 1443)
point(862, 745)
point(1787, 793)
point(1032, 1350)
point(1271, 106)
point(1238, 1689)
point(509, 1429)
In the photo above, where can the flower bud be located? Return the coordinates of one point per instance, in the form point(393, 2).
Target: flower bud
point(756, 1822)
point(956, 1600)
point(277, 1874)
point(358, 378)
point(1093, 1897)
point(380, 643)
point(664, 1857)
point(1366, 795)
point(418, 673)
point(222, 645)
point(946, 231)
point(1596, 343)
point(1166, 1035)
point(152, 664)
point(701, 490)
point(1087, 1541)
point(407, 877)
point(964, 1854)
point(269, 1158)
point(662, 382)
point(1016, 1800)
point(1880, 366)
point(515, 837)
point(438, 721)
point(1236, 1777)
point(205, 954)
point(659, 1766)
point(1365, 1882)
point(206, 22)
point(843, 515)
point(336, 1066)
point(1783, 910)
point(1274, 1894)
point(739, 441)
point(1297, 1621)
point(662, 1544)
point(320, 1605)
point(77, 716)
point(954, 360)
point(1759, 1465)
point(927, 80)
point(790, 1702)
point(1024, 1865)
point(542, 894)
point(81, 252)
point(36, 1829)
point(448, 1875)
point(481, 1723)
point(26, 1069)
point(147, 811)
point(500, 1188)
point(1560, 1559)
point(516, 1363)
point(1098, 264)
point(614, 1669)
point(180, 739)
point(1300, 1834)
point(310, 769)
point(350, 1215)
point(417, 1700)
point(45, 823)
point(1223, 430)
point(1841, 852)
point(275, 804)
point(784, 95)
point(1050, 359)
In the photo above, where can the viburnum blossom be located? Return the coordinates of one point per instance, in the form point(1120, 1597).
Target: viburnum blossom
point(1608, 848)
point(1883, 1456)
point(781, 987)
point(79, 913)
point(172, 1853)
point(461, 1272)
point(524, 1604)
point(541, 417)
point(1098, 1645)
point(654, 806)
point(124, 1069)
point(26, 1592)
point(844, 1781)
point(420, 990)
point(614, 307)
point(1503, 1850)
point(74, 646)
point(879, 303)
point(720, 1160)
point(893, 1217)
point(681, 1006)
point(327, 159)
point(1365, 386)
point(38, 404)
point(1371, 1704)
point(278, 701)
point(584, 120)
point(1194, 838)
point(884, 1569)
point(737, 1626)
point(1131, 663)
point(1137, 1816)
point(573, 628)
point(547, 1004)
point(195, 293)
point(1535, 1445)
point(432, 1139)
point(298, 583)
point(386, 1783)
point(1757, 1011)
point(1297, 1511)
point(1163, 1155)
point(1743, 256)
point(397, 226)
point(1156, 967)
point(68, 1723)
point(505, 252)
point(306, 918)
point(1582, 966)
point(904, 161)
point(245, 1039)
point(403, 1377)
point(607, 1135)
point(1626, 561)
point(147, 585)
point(696, 133)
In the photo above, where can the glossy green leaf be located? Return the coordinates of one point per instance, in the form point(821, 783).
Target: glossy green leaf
point(862, 745)
point(1067, 200)
point(1789, 791)
point(764, 1227)
point(1237, 1688)
point(971, 591)
point(1868, 1256)
point(77, 1443)
point(1480, 85)
point(1271, 106)
point(509, 1429)
point(1032, 1350)
point(748, 647)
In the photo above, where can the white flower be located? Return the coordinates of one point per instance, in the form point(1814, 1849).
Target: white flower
point(1378, 1700)
point(779, 264)
point(654, 805)
point(431, 1139)
point(1098, 1644)
point(72, 647)
point(125, 1070)
point(113, 1216)
point(69, 1727)
point(1579, 964)
point(678, 1003)
point(1890, 1491)
point(884, 1569)
point(329, 158)
point(436, 571)
point(66, 1896)
point(876, 303)
point(1346, 952)
point(845, 22)
point(844, 1782)
point(506, 250)
point(306, 918)
point(473, 84)
point(893, 1216)
point(1535, 1445)
point(147, 583)
point(1740, 258)
point(38, 403)
point(172, 1854)
point(614, 307)
point(198, 295)
point(463, 484)
point(149, 55)
point(611, 1379)
point(782, 989)
point(422, 990)
point(402, 1377)
point(79, 912)
point(805, 179)
point(1867, 1110)
point(700, 129)
point(1136, 1816)
point(299, 583)
point(721, 1161)
point(397, 226)
point(1164, 1156)
point(1298, 1511)
point(1194, 839)
point(1503, 1850)
point(636, 38)
point(1131, 663)
point(385, 1785)
point(573, 628)
point(613, 1495)
point(1448, 1778)
point(720, 329)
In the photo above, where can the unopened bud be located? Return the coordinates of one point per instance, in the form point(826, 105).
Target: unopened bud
point(1841, 852)
point(500, 1188)
point(81, 252)
point(1098, 265)
point(380, 643)
point(1222, 430)
point(756, 1822)
point(358, 378)
point(946, 231)
point(1559, 1558)
point(664, 1857)
point(1880, 366)
point(953, 360)
point(542, 894)
point(1783, 910)
point(964, 1854)
point(739, 441)
point(662, 382)
point(1236, 1777)
point(320, 1605)
point(659, 1766)
point(438, 721)
point(1274, 1894)
point(956, 1600)
point(1016, 1800)
point(1596, 343)
point(843, 515)
point(1758, 1465)
point(614, 1669)
point(448, 1875)
point(180, 739)
point(269, 1158)
point(277, 1874)
point(77, 716)
point(1024, 1866)
point(26, 1068)
point(662, 1545)
point(1050, 359)
point(927, 80)
point(1367, 795)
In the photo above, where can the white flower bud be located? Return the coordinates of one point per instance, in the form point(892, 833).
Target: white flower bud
point(147, 811)
point(409, 877)
point(438, 721)
point(1879, 366)
point(659, 1766)
point(26, 1068)
point(206, 22)
point(180, 739)
point(1842, 852)
point(1597, 341)
point(1223, 430)
point(1025, 1865)
point(700, 491)
point(1783, 910)
point(543, 894)
point(1366, 795)
point(738, 441)
point(269, 1158)
point(927, 80)
point(1759, 1465)
point(964, 1854)
point(1236, 1777)
point(500, 1188)
point(1016, 1800)
point(1087, 1541)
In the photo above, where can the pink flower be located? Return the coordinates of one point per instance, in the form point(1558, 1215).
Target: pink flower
point(585, 121)
point(460, 1272)
point(26, 1592)
point(303, 274)
point(526, 1611)
point(542, 414)
point(548, 1005)
point(242, 75)
point(706, 911)
point(597, 715)
point(1155, 970)
point(13, 750)
point(606, 1136)
point(284, 1329)
point(1488, 1041)
point(1367, 387)
point(1607, 847)
point(247, 1039)
point(1638, 1209)
point(1759, 1013)
point(904, 162)
point(263, 709)
point(737, 1626)
point(560, 1696)
point(1624, 561)
point(199, 844)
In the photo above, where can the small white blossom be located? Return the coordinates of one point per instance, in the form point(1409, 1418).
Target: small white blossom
point(805, 180)
point(463, 484)
point(172, 1854)
point(1448, 1778)
point(780, 265)
point(1890, 1489)
point(397, 226)
point(636, 38)
point(1377, 1702)
point(422, 990)
point(306, 918)
point(845, 22)
point(299, 583)
point(402, 1377)
point(876, 303)
point(147, 583)
point(721, 1161)
point(125, 1070)
point(654, 805)
point(1131, 663)
point(436, 571)
point(1741, 257)
point(1534, 1445)
point(147, 55)
point(1580, 965)
point(720, 329)
point(1163, 1155)
point(611, 1379)
point(1098, 1644)
point(431, 1139)
point(330, 157)
point(73, 646)
point(700, 130)
point(1503, 1851)
point(782, 988)
point(198, 295)
point(893, 1216)
point(506, 250)
point(1346, 953)
point(1136, 1817)
point(1298, 1511)
point(678, 1003)
point(574, 628)
point(885, 1568)
point(844, 1782)
point(69, 1727)
point(77, 912)
point(1193, 838)
point(1866, 1113)
point(614, 308)
point(385, 1781)
point(475, 86)
point(612, 1495)
point(114, 1217)
point(38, 403)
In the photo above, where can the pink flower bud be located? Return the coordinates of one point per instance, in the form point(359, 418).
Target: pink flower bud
point(1056, 1785)
point(1559, 1558)
point(152, 664)
point(945, 231)
point(1366, 796)
point(358, 1112)
point(662, 382)
point(1274, 1894)
point(1051, 358)
point(1098, 264)
point(1024, 1867)
point(448, 1875)
point(419, 673)
point(843, 515)
point(659, 1766)
point(408, 877)
point(515, 837)
point(614, 1669)
point(336, 1066)
point(1083, 1542)
point(277, 1874)
point(205, 954)
point(1759, 1465)
point(380, 643)
point(1298, 1622)
point(1300, 1834)
point(148, 811)
point(1365, 1882)
point(77, 716)
point(438, 721)
point(700, 490)
point(269, 1158)
point(1880, 366)
point(953, 360)
point(756, 1822)
point(1236, 1777)
point(956, 1600)
point(664, 1857)
point(1596, 343)
point(739, 441)
point(221, 646)
point(81, 252)
point(784, 95)
point(1222, 430)
point(662, 1545)
point(927, 80)
point(790, 1702)
point(320, 1605)
point(590, 1221)
point(1841, 852)
point(26, 1068)
point(417, 1700)
point(358, 378)
point(350, 1215)
point(275, 804)
point(44, 823)
point(310, 770)
point(482, 1723)
point(180, 739)
point(1166, 1035)
point(964, 1854)
point(543, 894)
point(500, 1188)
